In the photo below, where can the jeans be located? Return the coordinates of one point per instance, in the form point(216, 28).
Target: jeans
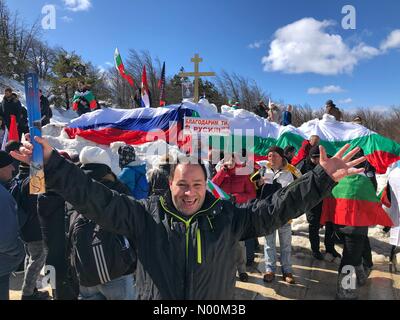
point(285, 241)
point(34, 263)
point(122, 288)
point(5, 287)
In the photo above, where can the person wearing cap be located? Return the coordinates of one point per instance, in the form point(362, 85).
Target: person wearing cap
point(185, 239)
point(314, 215)
point(133, 170)
point(11, 247)
point(330, 108)
point(275, 175)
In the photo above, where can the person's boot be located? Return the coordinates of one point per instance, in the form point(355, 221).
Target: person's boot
point(37, 295)
point(318, 255)
point(342, 292)
point(244, 277)
point(361, 275)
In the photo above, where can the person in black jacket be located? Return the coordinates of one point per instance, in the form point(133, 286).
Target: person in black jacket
point(314, 215)
point(31, 235)
point(114, 279)
point(45, 109)
point(185, 240)
point(10, 106)
point(22, 122)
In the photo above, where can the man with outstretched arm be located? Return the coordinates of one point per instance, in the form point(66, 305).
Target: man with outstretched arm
point(185, 239)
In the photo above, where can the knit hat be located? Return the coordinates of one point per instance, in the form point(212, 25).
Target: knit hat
point(5, 159)
point(314, 151)
point(127, 154)
point(278, 150)
point(94, 155)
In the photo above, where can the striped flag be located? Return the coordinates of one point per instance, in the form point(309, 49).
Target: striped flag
point(217, 191)
point(161, 86)
point(354, 203)
point(121, 69)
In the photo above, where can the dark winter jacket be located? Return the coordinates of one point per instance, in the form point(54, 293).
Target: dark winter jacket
point(23, 126)
point(159, 180)
point(184, 257)
point(45, 110)
point(8, 107)
point(11, 247)
point(30, 229)
point(103, 174)
point(314, 215)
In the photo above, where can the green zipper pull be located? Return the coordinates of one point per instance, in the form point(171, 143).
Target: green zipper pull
point(198, 246)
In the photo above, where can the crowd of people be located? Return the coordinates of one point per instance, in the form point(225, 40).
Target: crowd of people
point(159, 234)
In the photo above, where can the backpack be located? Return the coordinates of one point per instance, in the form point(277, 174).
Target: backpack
point(98, 256)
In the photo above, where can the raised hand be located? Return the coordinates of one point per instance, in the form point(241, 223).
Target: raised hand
point(340, 166)
point(25, 152)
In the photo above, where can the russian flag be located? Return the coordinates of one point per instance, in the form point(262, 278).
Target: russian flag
point(135, 126)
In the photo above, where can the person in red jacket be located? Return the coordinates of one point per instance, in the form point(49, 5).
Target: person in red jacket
point(233, 179)
point(235, 183)
point(305, 149)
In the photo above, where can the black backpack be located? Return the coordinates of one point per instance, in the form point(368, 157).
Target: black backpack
point(98, 256)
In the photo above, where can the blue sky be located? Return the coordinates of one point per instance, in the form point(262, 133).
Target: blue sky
point(295, 50)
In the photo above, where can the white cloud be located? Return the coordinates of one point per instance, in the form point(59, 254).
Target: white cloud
point(66, 19)
point(392, 41)
point(256, 44)
point(345, 101)
point(326, 89)
point(304, 46)
point(78, 5)
point(108, 63)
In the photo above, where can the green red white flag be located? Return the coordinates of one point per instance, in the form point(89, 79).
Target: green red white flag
point(217, 191)
point(354, 203)
point(121, 69)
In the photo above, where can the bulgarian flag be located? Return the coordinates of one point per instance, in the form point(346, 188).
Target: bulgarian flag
point(217, 191)
point(121, 69)
point(354, 203)
point(380, 151)
point(87, 96)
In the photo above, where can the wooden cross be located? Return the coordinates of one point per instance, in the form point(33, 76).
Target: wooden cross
point(196, 74)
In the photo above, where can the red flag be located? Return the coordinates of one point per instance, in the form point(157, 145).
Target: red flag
point(161, 86)
point(145, 90)
point(13, 134)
